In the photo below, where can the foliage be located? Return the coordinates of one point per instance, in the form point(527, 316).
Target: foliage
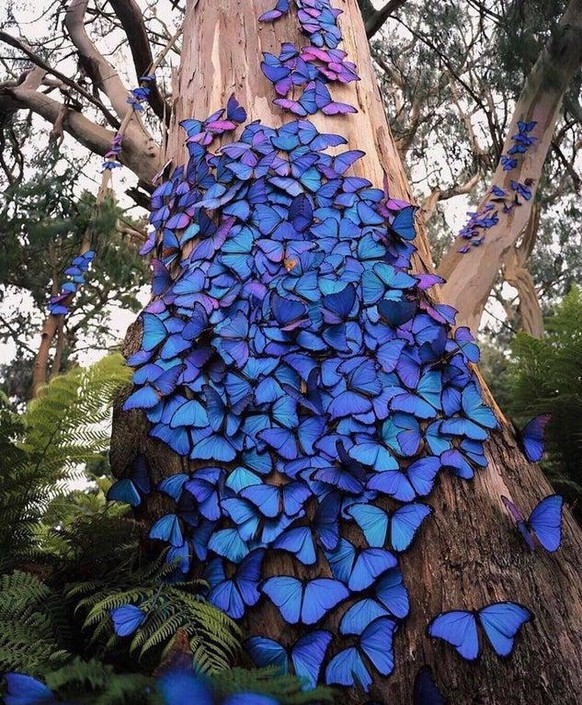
point(64, 427)
point(45, 223)
point(545, 378)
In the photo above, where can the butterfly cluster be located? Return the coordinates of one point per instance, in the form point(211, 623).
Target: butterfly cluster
point(300, 75)
point(140, 95)
point(58, 305)
point(518, 192)
point(295, 358)
point(290, 353)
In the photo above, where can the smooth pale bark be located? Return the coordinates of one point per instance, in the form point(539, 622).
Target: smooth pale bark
point(471, 276)
point(469, 555)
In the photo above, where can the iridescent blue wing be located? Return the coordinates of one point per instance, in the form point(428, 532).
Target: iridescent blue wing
point(501, 622)
point(228, 544)
point(267, 652)
point(531, 438)
point(376, 643)
point(546, 522)
point(403, 223)
point(308, 654)
point(422, 474)
point(168, 529)
point(459, 629)
point(124, 491)
point(299, 542)
point(373, 522)
point(369, 564)
point(126, 619)
point(319, 597)
point(248, 576)
point(392, 593)
point(234, 111)
point(286, 593)
point(360, 615)
point(405, 522)
point(347, 668)
point(426, 691)
point(267, 498)
point(26, 690)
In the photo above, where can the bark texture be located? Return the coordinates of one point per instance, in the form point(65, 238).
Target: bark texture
point(469, 554)
point(471, 276)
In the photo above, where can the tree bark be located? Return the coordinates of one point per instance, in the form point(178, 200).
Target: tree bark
point(471, 276)
point(469, 555)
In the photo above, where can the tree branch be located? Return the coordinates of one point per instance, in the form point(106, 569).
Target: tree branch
point(139, 154)
point(131, 18)
point(38, 61)
point(105, 76)
point(374, 19)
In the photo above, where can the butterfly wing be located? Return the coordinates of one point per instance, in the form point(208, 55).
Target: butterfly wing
point(376, 643)
point(267, 652)
point(501, 622)
point(25, 690)
point(373, 521)
point(546, 522)
point(405, 522)
point(459, 629)
point(532, 438)
point(286, 594)
point(348, 668)
point(320, 596)
point(308, 654)
point(426, 691)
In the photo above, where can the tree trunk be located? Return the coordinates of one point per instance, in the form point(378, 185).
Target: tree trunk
point(469, 554)
point(471, 275)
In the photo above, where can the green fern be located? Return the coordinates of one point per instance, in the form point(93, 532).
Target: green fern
point(32, 637)
point(65, 427)
point(545, 378)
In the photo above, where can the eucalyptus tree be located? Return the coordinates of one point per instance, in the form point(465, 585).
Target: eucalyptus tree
point(297, 389)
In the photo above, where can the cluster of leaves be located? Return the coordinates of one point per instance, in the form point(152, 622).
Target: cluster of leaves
point(544, 377)
point(68, 559)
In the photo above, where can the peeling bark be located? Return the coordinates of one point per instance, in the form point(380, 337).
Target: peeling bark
point(470, 554)
point(471, 276)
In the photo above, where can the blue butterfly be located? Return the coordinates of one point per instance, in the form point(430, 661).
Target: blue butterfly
point(531, 437)
point(402, 525)
point(426, 691)
point(545, 522)
point(306, 603)
point(416, 480)
point(299, 542)
point(26, 690)
point(235, 594)
point(306, 655)
point(500, 621)
point(348, 668)
point(167, 529)
point(126, 619)
point(358, 570)
point(130, 490)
